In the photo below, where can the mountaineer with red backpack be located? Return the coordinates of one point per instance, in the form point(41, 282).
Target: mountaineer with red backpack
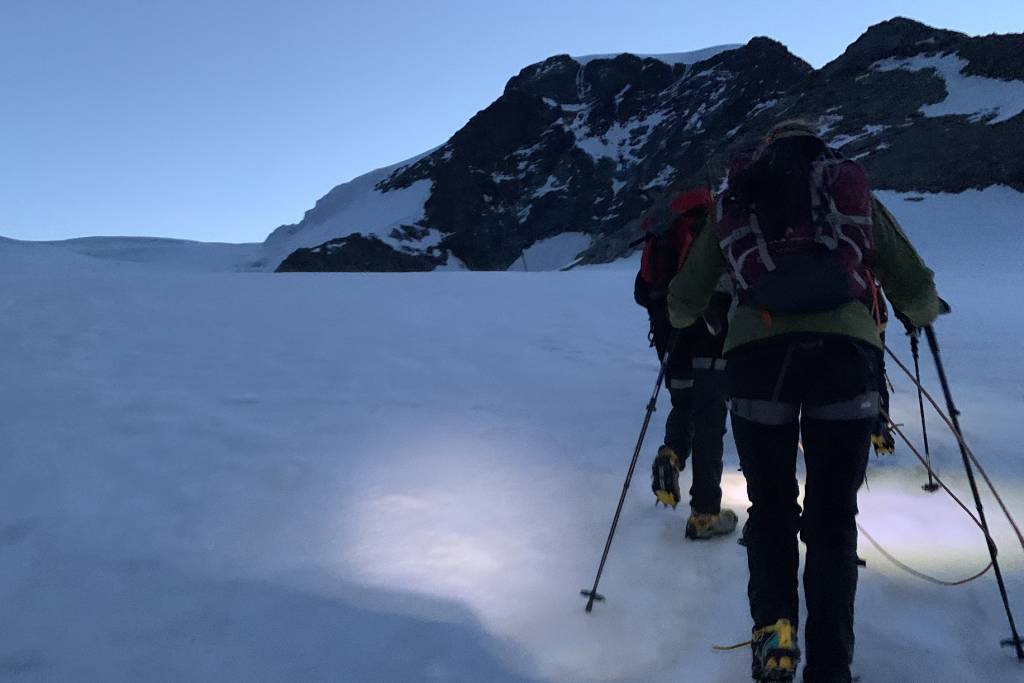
point(803, 241)
point(695, 376)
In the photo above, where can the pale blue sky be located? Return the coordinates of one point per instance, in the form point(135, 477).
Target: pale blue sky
point(222, 119)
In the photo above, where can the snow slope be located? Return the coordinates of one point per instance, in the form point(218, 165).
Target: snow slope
point(552, 253)
point(155, 252)
point(357, 206)
point(685, 58)
point(408, 477)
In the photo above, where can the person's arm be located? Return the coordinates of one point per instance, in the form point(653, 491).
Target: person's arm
point(907, 281)
point(716, 315)
point(641, 292)
point(692, 287)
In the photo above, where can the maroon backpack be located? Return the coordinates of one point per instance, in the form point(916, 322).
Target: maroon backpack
point(795, 227)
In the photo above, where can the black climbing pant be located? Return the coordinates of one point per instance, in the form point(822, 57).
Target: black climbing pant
point(697, 383)
point(821, 390)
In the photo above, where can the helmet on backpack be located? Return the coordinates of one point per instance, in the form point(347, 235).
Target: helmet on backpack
point(696, 202)
point(791, 128)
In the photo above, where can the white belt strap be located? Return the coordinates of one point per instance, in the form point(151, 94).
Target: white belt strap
point(708, 363)
point(774, 413)
point(857, 408)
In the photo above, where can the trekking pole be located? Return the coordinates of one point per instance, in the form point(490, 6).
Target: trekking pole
point(592, 595)
point(931, 486)
point(954, 414)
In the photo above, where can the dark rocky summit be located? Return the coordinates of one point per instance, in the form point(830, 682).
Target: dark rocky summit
point(585, 145)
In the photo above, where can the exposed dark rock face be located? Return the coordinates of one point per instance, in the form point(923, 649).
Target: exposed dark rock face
point(356, 254)
point(586, 145)
point(858, 96)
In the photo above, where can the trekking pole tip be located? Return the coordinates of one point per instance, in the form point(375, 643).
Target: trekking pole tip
point(592, 597)
point(1014, 642)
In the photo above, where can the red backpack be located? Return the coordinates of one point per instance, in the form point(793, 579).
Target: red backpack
point(666, 247)
point(794, 225)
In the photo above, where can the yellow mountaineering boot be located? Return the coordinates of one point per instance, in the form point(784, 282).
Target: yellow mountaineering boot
point(665, 477)
point(882, 436)
point(775, 652)
point(883, 442)
point(701, 526)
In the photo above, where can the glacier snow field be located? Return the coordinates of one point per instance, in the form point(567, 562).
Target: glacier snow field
point(209, 475)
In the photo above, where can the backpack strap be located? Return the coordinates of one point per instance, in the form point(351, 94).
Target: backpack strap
point(762, 244)
point(726, 241)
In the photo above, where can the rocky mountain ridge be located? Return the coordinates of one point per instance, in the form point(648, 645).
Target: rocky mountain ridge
point(584, 145)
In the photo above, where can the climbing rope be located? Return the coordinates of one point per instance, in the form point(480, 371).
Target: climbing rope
point(942, 484)
point(902, 565)
point(967, 449)
point(919, 574)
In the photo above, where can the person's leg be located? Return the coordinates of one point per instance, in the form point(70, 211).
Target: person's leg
point(765, 429)
point(768, 456)
point(836, 453)
point(679, 423)
point(838, 419)
point(671, 457)
point(709, 413)
point(679, 382)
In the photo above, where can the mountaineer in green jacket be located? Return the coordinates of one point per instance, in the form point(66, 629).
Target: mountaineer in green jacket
point(803, 241)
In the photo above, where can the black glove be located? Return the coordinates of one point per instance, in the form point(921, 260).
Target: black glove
point(911, 329)
point(716, 315)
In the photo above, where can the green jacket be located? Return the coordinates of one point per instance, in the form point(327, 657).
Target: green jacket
point(907, 281)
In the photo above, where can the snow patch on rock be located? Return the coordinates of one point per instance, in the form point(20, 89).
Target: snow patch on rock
point(981, 99)
point(620, 142)
point(662, 179)
point(845, 139)
point(552, 253)
point(552, 184)
point(761, 106)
